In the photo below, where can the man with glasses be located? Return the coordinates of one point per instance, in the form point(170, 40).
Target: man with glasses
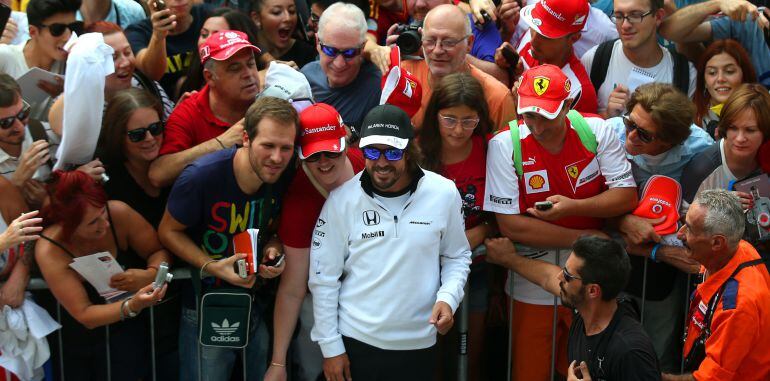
point(553, 36)
point(659, 139)
point(636, 58)
point(210, 119)
point(606, 342)
point(551, 179)
point(388, 260)
point(50, 25)
point(447, 38)
point(341, 77)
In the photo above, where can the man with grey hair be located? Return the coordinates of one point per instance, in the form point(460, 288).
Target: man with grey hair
point(208, 120)
point(728, 326)
point(446, 40)
point(341, 77)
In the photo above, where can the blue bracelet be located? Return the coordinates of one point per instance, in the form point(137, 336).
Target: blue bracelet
point(654, 251)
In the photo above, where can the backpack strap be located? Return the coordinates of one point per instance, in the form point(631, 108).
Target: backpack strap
point(587, 136)
point(681, 71)
point(601, 62)
point(513, 126)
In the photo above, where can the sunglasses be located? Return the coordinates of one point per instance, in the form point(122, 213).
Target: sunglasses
point(347, 54)
point(569, 277)
point(391, 154)
point(7, 123)
point(644, 135)
point(58, 29)
point(137, 135)
point(317, 156)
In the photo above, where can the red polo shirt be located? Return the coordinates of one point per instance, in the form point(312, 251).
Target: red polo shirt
point(191, 123)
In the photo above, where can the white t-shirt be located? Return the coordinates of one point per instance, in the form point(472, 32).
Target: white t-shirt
point(598, 28)
point(12, 62)
point(622, 71)
point(502, 190)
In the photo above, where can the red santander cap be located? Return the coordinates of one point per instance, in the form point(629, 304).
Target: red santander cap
point(543, 90)
point(661, 197)
point(556, 18)
point(322, 130)
point(224, 44)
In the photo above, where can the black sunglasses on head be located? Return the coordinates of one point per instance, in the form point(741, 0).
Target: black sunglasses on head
point(137, 135)
point(7, 123)
point(57, 29)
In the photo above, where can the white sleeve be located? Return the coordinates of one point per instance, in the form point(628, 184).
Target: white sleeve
point(502, 185)
point(328, 250)
point(455, 258)
point(611, 155)
point(588, 59)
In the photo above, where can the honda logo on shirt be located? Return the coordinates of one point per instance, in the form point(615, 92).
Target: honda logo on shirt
point(371, 217)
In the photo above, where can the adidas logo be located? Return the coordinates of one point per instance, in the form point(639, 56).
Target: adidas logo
point(225, 329)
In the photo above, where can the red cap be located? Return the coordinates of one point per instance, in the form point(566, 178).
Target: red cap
point(400, 88)
point(661, 197)
point(223, 44)
point(543, 90)
point(556, 18)
point(322, 130)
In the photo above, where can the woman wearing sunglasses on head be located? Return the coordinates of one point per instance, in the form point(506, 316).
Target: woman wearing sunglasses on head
point(453, 140)
point(79, 221)
point(326, 162)
point(278, 28)
point(50, 24)
point(722, 68)
point(744, 125)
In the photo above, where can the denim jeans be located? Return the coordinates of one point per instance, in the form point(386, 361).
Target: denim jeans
point(217, 363)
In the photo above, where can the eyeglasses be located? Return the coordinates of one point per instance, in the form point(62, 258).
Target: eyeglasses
point(633, 18)
point(451, 122)
point(7, 123)
point(446, 43)
point(317, 156)
point(138, 134)
point(314, 17)
point(347, 54)
point(391, 154)
point(569, 277)
point(57, 29)
point(644, 135)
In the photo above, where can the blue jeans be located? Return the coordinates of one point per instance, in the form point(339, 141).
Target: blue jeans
point(217, 363)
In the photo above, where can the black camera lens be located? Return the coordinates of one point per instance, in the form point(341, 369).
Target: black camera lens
point(409, 38)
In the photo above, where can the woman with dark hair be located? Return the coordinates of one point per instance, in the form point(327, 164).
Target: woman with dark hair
point(132, 133)
point(722, 67)
point(453, 141)
point(220, 19)
point(745, 128)
point(126, 74)
point(79, 221)
point(277, 24)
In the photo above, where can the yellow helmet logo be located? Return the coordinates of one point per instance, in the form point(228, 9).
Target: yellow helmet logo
point(541, 85)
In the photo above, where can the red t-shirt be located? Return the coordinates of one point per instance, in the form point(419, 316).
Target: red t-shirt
point(582, 88)
point(302, 204)
point(469, 176)
point(384, 19)
point(191, 123)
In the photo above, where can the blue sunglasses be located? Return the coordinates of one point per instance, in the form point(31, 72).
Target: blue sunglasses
point(347, 54)
point(391, 154)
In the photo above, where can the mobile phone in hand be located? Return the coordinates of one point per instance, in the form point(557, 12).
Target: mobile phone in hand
point(276, 262)
point(543, 205)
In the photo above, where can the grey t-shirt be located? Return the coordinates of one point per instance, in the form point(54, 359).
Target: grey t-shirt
point(353, 101)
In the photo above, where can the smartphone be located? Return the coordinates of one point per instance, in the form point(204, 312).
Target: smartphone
point(543, 205)
point(5, 14)
point(276, 262)
point(159, 5)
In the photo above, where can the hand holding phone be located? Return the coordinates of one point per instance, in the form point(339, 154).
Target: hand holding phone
point(277, 261)
point(543, 205)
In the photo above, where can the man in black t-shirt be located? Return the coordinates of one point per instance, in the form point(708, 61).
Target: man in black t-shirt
point(606, 342)
point(164, 43)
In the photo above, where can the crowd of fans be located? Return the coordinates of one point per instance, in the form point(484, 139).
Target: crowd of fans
point(606, 160)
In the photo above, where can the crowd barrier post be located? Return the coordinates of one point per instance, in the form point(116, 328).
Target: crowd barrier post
point(644, 291)
point(462, 333)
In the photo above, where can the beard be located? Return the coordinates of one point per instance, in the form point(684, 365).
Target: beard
point(572, 301)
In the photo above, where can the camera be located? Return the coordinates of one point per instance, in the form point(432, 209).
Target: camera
point(487, 19)
point(758, 218)
point(409, 37)
point(163, 276)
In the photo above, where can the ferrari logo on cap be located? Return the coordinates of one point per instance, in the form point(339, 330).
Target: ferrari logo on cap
point(567, 85)
point(541, 85)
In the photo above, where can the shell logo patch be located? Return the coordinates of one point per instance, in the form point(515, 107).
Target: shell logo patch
point(536, 182)
point(541, 84)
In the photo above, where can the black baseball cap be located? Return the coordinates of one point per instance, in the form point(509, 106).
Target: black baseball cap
point(386, 124)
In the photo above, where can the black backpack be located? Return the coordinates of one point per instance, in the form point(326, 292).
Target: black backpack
point(602, 62)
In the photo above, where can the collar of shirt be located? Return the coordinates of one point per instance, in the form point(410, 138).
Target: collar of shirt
point(204, 107)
